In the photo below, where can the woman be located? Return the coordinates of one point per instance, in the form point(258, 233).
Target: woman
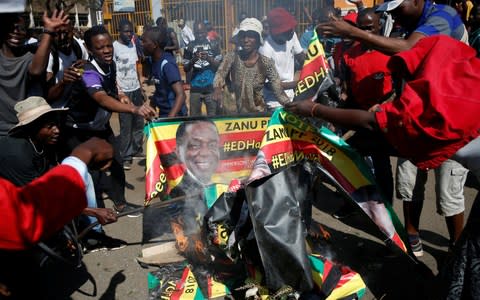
point(248, 71)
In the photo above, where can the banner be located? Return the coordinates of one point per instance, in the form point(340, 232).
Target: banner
point(239, 141)
point(315, 76)
point(290, 139)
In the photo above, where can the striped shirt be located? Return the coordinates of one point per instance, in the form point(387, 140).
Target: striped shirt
point(441, 19)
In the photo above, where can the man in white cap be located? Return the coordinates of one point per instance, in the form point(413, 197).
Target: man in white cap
point(420, 18)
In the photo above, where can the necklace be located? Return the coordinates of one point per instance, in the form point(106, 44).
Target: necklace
point(35, 148)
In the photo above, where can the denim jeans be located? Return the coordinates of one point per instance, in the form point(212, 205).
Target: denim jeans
point(130, 139)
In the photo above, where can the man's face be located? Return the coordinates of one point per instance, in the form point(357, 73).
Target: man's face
point(48, 133)
point(148, 45)
point(283, 37)
point(369, 23)
point(200, 151)
point(200, 32)
point(408, 13)
point(16, 38)
point(102, 48)
point(64, 38)
point(126, 34)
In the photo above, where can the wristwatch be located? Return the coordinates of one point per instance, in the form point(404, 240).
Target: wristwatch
point(49, 32)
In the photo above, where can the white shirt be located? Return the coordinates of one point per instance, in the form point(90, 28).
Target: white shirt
point(125, 58)
point(187, 35)
point(284, 57)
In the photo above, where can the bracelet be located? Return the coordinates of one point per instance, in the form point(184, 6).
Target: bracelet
point(49, 32)
point(314, 107)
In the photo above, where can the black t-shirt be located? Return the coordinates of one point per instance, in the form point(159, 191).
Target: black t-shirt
point(20, 163)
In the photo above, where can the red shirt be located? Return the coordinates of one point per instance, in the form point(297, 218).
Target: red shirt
point(30, 213)
point(438, 111)
point(369, 78)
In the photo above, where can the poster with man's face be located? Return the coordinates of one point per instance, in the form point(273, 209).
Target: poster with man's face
point(204, 151)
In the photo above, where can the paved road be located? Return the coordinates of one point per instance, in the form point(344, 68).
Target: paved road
point(116, 274)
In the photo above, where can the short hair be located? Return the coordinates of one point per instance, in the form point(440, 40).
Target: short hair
point(157, 35)
point(92, 32)
point(123, 23)
point(160, 20)
point(365, 12)
point(182, 129)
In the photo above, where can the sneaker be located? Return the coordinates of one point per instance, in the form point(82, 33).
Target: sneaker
point(127, 207)
point(127, 165)
point(98, 241)
point(415, 244)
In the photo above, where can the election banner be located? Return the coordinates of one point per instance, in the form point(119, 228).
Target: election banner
point(290, 139)
point(239, 141)
point(315, 76)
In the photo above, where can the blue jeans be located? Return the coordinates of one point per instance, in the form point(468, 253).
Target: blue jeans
point(131, 129)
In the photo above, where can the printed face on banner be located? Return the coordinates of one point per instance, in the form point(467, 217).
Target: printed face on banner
point(206, 151)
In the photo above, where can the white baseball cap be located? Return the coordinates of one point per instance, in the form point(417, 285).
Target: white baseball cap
point(390, 5)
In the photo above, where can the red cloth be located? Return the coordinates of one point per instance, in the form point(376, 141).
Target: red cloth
point(30, 213)
point(438, 111)
point(370, 79)
point(280, 20)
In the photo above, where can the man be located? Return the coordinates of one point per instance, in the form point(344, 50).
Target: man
point(21, 71)
point(198, 149)
point(171, 44)
point(130, 91)
point(421, 18)
point(94, 98)
point(64, 66)
point(34, 212)
point(186, 34)
point(201, 60)
point(283, 47)
point(169, 96)
point(30, 151)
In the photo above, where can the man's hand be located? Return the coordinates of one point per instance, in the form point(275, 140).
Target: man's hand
point(336, 27)
point(74, 72)
point(58, 18)
point(302, 108)
point(103, 215)
point(97, 153)
point(146, 111)
point(124, 99)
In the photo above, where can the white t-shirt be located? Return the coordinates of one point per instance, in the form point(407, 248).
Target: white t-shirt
point(187, 36)
point(125, 58)
point(284, 57)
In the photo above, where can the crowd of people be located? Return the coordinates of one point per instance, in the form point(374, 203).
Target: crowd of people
point(390, 63)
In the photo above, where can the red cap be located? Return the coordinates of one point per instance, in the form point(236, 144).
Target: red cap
point(351, 18)
point(280, 20)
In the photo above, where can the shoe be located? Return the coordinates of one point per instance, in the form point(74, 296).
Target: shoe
point(415, 244)
point(127, 207)
point(139, 156)
point(127, 165)
point(344, 212)
point(98, 241)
